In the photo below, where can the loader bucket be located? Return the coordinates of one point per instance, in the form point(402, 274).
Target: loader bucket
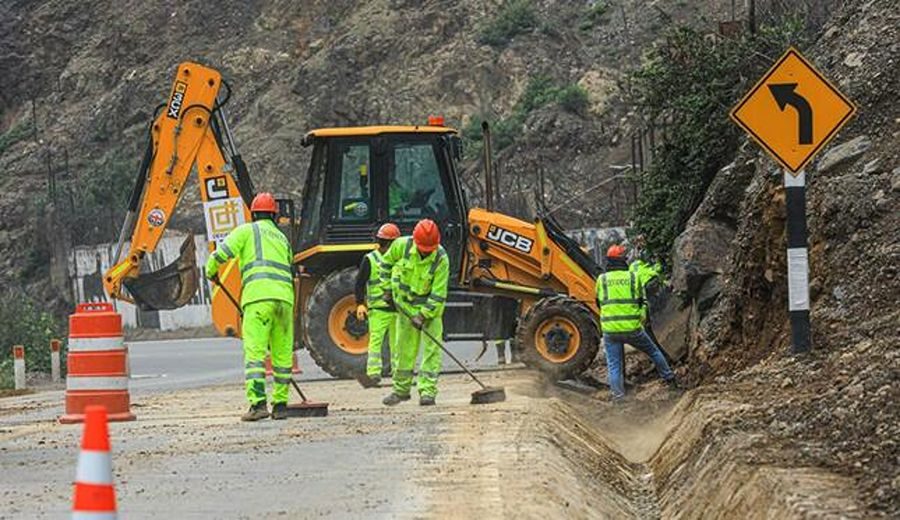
point(172, 286)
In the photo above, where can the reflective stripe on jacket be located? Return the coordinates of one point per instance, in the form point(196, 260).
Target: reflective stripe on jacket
point(264, 256)
point(619, 296)
point(419, 285)
point(379, 281)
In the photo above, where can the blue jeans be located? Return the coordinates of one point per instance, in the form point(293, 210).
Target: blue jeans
point(615, 358)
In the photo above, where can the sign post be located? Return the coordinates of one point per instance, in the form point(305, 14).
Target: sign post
point(792, 112)
point(797, 260)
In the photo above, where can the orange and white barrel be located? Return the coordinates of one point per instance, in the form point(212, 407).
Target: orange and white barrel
point(97, 364)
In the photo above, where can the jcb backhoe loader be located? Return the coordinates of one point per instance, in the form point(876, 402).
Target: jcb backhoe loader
point(509, 278)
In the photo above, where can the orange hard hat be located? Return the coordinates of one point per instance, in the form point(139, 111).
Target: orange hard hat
point(388, 231)
point(264, 203)
point(615, 251)
point(426, 236)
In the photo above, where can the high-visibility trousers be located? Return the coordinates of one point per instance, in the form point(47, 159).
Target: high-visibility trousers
point(381, 323)
point(408, 340)
point(266, 324)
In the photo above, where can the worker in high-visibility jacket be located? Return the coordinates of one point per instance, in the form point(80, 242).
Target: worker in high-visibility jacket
point(647, 273)
point(420, 275)
point(373, 285)
point(620, 298)
point(267, 303)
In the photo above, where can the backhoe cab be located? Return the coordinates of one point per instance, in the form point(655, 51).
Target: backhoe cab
point(509, 278)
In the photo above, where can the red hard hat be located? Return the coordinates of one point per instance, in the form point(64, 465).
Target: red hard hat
point(264, 203)
point(615, 251)
point(426, 236)
point(388, 231)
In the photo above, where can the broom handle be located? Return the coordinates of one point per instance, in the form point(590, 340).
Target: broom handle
point(215, 281)
point(297, 388)
point(446, 351)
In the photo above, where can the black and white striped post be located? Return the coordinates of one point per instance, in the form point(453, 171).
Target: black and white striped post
point(797, 260)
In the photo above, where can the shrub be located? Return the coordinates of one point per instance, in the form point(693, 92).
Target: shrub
point(12, 136)
point(573, 98)
point(22, 322)
point(692, 82)
point(594, 15)
point(515, 17)
point(539, 92)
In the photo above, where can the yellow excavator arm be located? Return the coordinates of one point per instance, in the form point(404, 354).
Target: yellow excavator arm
point(190, 132)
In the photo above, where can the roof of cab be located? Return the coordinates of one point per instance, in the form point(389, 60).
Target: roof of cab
point(350, 131)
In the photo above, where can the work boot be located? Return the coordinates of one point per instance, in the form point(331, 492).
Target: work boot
point(256, 412)
point(393, 399)
point(426, 400)
point(279, 411)
point(368, 381)
point(673, 385)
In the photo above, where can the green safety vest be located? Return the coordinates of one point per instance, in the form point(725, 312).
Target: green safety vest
point(619, 294)
point(264, 256)
point(644, 271)
point(379, 281)
point(419, 285)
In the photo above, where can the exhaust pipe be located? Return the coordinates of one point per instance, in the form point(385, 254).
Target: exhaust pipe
point(488, 166)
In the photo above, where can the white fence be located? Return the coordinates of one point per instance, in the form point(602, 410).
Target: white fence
point(88, 263)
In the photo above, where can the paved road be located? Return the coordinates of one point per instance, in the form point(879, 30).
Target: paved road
point(159, 366)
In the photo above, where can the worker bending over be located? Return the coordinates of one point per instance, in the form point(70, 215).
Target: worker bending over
point(420, 273)
point(373, 287)
point(619, 296)
point(267, 303)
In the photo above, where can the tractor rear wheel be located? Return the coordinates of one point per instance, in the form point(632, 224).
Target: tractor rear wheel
point(337, 341)
point(558, 336)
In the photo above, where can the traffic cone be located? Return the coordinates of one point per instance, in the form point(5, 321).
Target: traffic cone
point(95, 497)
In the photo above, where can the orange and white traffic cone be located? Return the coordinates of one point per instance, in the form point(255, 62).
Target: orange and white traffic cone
point(95, 497)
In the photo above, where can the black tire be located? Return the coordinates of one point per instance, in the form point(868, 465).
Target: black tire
point(548, 311)
point(322, 347)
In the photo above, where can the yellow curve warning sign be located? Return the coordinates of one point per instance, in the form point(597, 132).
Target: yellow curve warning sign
point(793, 111)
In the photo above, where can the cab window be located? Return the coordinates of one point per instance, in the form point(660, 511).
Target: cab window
point(355, 201)
point(415, 190)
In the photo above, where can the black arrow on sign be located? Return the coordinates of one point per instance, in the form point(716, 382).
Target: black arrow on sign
point(785, 95)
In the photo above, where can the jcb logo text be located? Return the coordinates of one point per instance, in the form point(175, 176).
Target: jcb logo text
point(508, 238)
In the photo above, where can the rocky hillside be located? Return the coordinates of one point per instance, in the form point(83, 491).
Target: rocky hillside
point(80, 81)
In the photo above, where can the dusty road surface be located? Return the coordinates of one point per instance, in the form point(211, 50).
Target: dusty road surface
point(544, 453)
point(157, 366)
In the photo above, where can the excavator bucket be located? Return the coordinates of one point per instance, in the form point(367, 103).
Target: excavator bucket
point(172, 286)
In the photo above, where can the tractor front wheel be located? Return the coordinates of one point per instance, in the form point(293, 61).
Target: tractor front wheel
point(558, 336)
point(337, 341)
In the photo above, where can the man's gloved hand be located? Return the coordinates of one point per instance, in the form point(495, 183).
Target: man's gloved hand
point(213, 276)
point(388, 296)
point(362, 312)
point(418, 321)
